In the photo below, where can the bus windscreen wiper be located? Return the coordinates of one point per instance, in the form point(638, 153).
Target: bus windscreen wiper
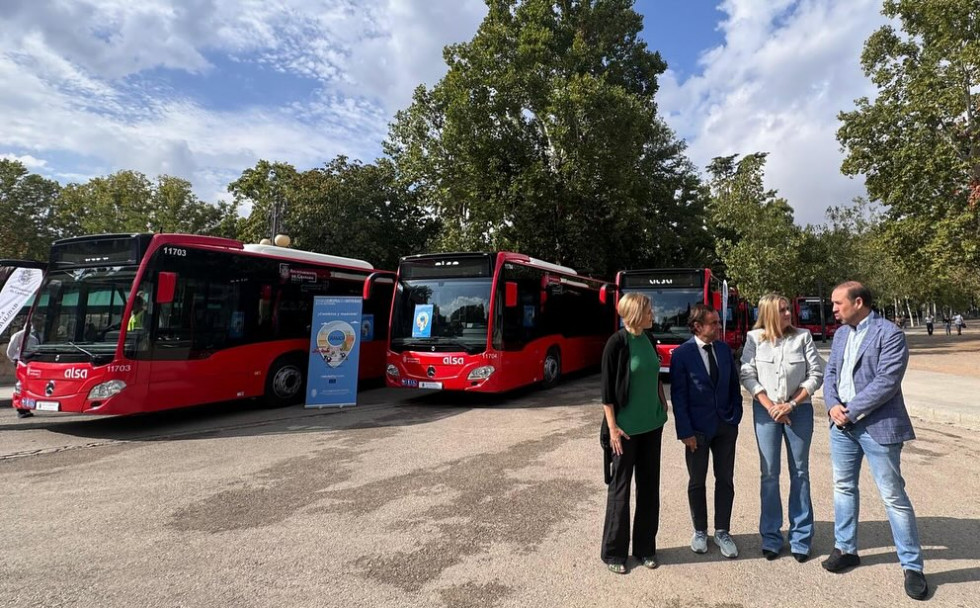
point(81, 349)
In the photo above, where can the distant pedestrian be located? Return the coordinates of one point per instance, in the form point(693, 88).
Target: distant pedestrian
point(868, 420)
point(947, 322)
point(14, 349)
point(959, 323)
point(930, 320)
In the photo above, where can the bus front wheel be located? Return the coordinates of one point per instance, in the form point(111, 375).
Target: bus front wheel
point(552, 369)
point(286, 382)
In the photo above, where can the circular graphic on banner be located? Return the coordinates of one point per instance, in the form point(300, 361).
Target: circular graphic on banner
point(422, 320)
point(334, 342)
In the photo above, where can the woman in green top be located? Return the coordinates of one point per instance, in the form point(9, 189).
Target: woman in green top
point(636, 411)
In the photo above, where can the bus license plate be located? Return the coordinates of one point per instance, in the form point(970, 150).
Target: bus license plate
point(430, 385)
point(48, 406)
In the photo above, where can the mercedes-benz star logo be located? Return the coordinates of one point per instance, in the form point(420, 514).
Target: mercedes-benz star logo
point(431, 372)
point(49, 389)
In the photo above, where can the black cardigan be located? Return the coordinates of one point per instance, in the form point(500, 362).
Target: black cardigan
point(616, 370)
point(615, 380)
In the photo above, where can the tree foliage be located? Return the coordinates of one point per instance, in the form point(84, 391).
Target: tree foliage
point(544, 137)
point(360, 211)
point(918, 142)
point(127, 201)
point(268, 189)
point(756, 239)
point(27, 205)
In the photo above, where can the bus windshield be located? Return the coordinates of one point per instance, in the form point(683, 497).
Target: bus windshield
point(671, 310)
point(80, 310)
point(460, 314)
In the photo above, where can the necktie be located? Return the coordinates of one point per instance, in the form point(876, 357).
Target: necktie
point(712, 363)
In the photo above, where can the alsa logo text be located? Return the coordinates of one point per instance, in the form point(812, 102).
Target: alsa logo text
point(452, 360)
point(76, 374)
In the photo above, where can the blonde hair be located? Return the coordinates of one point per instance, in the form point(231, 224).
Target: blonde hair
point(769, 318)
point(631, 307)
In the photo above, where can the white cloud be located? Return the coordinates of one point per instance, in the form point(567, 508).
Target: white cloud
point(27, 160)
point(98, 81)
point(776, 85)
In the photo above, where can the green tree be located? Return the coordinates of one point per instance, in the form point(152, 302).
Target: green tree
point(129, 202)
point(360, 211)
point(757, 242)
point(268, 189)
point(544, 137)
point(918, 142)
point(26, 204)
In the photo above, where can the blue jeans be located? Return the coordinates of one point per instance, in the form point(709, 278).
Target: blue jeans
point(770, 436)
point(847, 449)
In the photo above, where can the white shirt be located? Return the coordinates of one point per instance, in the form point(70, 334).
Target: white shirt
point(704, 354)
point(845, 385)
point(782, 367)
point(13, 349)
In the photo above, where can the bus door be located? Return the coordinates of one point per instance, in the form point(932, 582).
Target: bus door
point(191, 319)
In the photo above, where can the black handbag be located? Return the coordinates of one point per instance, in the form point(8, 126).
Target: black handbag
point(605, 442)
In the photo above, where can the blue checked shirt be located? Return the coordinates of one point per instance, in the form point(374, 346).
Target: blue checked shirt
point(845, 384)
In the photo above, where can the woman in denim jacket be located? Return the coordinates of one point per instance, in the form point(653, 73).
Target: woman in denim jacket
point(781, 369)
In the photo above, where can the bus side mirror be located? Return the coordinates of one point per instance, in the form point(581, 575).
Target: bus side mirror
point(510, 294)
point(375, 278)
point(607, 293)
point(166, 285)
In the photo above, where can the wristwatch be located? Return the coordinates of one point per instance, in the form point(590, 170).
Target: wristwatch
point(792, 404)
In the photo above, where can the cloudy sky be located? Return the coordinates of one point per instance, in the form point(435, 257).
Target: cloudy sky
point(203, 89)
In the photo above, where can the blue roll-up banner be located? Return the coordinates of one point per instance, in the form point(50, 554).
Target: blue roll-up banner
point(335, 348)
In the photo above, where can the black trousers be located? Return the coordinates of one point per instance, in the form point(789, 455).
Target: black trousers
point(722, 448)
point(641, 457)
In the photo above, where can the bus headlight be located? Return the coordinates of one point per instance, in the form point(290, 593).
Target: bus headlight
point(105, 390)
point(481, 373)
point(393, 370)
point(17, 387)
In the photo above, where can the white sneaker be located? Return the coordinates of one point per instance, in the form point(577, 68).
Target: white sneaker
point(724, 541)
point(699, 542)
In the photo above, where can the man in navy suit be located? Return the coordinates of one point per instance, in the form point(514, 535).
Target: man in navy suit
point(863, 395)
point(707, 401)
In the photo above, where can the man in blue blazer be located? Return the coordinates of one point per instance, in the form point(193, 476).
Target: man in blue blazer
point(863, 395)
point(707, 399)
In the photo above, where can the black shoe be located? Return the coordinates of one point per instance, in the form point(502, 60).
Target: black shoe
point(24, 413)
point(839, 562)
point(801, 557)
point(770, 555)
point(915, 585)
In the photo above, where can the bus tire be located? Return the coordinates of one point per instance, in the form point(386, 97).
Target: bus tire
point(551, 372)
point(286, 383)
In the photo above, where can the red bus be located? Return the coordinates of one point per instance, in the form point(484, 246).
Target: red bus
point(807, 315)
point(131, 323)
point(492, 322)
point(673, 292)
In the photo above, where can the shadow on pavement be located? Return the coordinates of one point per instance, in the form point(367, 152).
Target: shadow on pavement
point(943, 539)
point(379, 407)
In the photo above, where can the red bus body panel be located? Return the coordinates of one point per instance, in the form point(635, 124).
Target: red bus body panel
point(735, 328)
point(813, 324)
point(513, 369)
point(154, 385)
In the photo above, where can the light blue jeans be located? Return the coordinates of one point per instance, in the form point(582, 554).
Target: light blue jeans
point(847, 449)
point(770, 436)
